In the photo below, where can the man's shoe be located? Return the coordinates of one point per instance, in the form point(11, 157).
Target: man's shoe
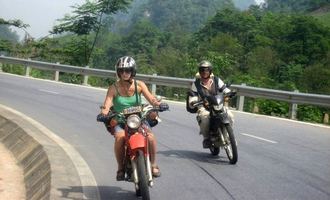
point(120, 175)
point(206, 143)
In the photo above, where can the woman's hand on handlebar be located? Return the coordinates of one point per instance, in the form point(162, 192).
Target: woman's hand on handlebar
point(163, 107)
point(101, 118)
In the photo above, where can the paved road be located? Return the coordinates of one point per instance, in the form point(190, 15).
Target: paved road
point(278, 159)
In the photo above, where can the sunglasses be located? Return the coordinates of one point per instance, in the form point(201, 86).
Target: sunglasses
point(204, 69)
point(126, 70)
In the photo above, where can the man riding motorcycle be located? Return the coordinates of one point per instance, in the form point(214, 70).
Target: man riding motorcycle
point(205, 84)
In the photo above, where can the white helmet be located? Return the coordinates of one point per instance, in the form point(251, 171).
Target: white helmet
point(126, 62)
point(205, 64)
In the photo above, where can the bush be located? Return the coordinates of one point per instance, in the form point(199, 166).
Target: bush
point(273, 108)
point(13, 69)
point(310, 114)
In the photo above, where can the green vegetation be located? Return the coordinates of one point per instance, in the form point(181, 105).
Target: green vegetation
point(275, 47)
point(300, 6)
point(323, 16)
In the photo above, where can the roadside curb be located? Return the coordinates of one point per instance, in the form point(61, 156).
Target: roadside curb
point(52, 168)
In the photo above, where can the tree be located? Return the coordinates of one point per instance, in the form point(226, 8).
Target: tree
point(308, 39)
point(241, 25)
point(183, 16)
point(295, 5)
point(315, 79)
point(87, 18)
point(144, 38)
point(17, 23)
point(7, 37)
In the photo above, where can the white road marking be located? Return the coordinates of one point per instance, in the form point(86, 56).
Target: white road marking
point(259, 138)
point(48, 91)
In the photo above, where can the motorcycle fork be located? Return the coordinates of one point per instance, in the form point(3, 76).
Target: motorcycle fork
point(134, 172)
point(148, 166)
point(222, 137)
point(219, 132)
point(146, 155)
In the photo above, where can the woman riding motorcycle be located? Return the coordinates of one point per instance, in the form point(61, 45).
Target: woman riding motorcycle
point(124, 93)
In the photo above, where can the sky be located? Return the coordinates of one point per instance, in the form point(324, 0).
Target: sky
point(41, 15)
point(259, 1)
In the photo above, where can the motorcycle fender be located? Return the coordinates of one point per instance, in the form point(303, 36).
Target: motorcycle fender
point(136, 141)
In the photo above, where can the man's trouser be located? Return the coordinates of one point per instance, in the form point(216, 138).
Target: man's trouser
point(203, 119)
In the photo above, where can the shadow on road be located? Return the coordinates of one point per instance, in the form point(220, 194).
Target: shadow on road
point(197, 156)
point(106, 193)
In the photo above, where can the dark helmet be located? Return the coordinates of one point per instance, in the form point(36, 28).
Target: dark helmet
point(126, 62)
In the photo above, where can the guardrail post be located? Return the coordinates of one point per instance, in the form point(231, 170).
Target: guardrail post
point(57, 73)
point(326, 118)
point(293, 109)
point(27, 69)
point(153, 87)
point(86, 77)
point(240, 101)
point(255, 106)
point(1, 64)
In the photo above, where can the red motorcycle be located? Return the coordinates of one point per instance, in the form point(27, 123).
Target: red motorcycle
point(137, 165)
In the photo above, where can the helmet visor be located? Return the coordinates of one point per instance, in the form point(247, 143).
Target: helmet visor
point(204, 69)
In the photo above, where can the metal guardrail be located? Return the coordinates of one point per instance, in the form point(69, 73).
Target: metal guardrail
point(158, 80)
point(242, 90)
point(291, 97)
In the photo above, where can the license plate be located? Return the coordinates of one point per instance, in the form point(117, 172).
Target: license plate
point(131, 110)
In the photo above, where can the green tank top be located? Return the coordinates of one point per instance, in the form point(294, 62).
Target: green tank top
point(122, 102)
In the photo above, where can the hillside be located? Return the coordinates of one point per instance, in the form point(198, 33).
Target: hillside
point(323, 14)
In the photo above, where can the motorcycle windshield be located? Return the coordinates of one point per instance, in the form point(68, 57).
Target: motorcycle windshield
point(216, 100)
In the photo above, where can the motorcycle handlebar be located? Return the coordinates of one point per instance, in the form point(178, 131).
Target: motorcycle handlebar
point(104, 118)
point(201, 102)
point(198, 103)
point(231, 94)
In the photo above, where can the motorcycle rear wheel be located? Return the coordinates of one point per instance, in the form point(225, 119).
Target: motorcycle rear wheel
point(143, 189)
point(231, 146)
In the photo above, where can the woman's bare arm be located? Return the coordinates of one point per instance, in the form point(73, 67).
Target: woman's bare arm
point(108, 100)
point(147, 94)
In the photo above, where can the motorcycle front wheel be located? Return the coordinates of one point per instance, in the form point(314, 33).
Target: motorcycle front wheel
point(214, 150)
point(143, 189)
point(231, 146)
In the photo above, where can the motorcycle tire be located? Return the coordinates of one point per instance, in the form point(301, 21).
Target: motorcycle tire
point(231, 150)
point(214, 150)
point(143, 189)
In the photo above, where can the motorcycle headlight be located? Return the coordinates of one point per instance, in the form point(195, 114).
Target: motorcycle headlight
point(218, 107)
point(133, 121)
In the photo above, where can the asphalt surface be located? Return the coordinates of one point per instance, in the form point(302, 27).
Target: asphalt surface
point(278, 159)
